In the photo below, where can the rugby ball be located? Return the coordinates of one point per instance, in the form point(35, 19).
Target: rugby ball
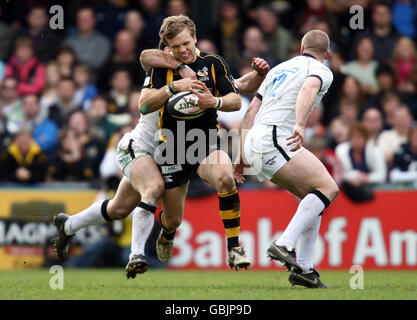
point(179, 107)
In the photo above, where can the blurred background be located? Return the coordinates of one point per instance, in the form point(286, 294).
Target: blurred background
point(68, 95)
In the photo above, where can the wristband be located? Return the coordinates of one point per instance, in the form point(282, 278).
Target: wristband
point(171, 88)
point(219, 103)
point(168, 91)
point(180, 67)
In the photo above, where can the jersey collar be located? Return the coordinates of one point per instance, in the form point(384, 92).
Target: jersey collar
point(309, 55)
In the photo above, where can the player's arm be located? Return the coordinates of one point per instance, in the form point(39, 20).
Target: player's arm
point(160, 59)
point(247, 124)
point(251, 81)
point(155, 92)
point(305, 101)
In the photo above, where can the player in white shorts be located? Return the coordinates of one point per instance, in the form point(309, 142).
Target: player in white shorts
point(142, 185)
point(273, 148)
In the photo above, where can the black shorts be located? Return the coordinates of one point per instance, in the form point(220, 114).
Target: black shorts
point(180, 172)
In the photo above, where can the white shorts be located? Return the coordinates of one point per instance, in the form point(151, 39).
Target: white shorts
point(266, 150)
point(128, 150)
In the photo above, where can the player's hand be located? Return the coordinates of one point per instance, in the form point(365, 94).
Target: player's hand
point(187, 72)
point(260, 66)
point(238, 168)
point(187, 85)
point(296, 139)
point(205, 99)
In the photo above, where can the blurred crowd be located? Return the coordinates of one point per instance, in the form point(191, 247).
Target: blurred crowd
point(67, 95)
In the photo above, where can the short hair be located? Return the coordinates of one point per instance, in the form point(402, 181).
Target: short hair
point(316, 41)
point(23, 41)
point(173, 25)
point(358, 127)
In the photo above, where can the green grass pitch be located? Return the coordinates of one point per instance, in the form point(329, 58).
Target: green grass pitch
point(159, 284)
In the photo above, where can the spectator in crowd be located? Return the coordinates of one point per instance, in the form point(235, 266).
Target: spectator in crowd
point(86, 90)
point(2, 69)
point(66, 102)
point(363, 164)
point(363, 69)
point(373, 120)
point(207, 45)
point(26, 67)
point(381, 32)
point(276, 36)
point(5, 135)
point(336, 61)
point(44, 131)
point(6, 35)
point(98, 119)
point(229, 31)
point(386, 79)
point(314, 11)
point(314, 127)
point(11, 103)
point(390, 140)
point(404, 63)
point(254, 45)
point(404, 17)
point(133, 105)
point(23, 161)
point(351, 90)
point(110, 17)
point(404, 169)
point(90, 46)
point(317, 145)
point(154, 14)
point(126, 57)
point(338, 132)
point(349, 110)
point(67, 60)
point(49, 94)
point(45, 40)
point(136, 25)
point(177, 7)
point(118, 108)
point(79, 154)
point(390, 103)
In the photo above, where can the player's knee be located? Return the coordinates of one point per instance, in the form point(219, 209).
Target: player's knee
point(154, 191)
point(333, 191)
point(225, 182)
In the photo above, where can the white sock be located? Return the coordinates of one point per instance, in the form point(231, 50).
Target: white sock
point(90, 216)
point(306, 244)
point(142, 224)
point(308, 209)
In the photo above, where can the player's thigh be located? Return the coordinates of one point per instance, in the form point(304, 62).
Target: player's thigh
point(124, 201)
point(145, 177)
point(305, 173)
point(173, 201)
point(217, 170)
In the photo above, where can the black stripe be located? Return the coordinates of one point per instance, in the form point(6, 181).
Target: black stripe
point(318, 77)
point(322, 197)
point(231, 223)
point(129, 147)
point(230, 202)
point(259, 96)
point(104, 210)
point(147, 207)
point(274, 138)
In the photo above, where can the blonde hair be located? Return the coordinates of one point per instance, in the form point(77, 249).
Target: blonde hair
point(316, 41)
point(396, 52)
point(173, 25)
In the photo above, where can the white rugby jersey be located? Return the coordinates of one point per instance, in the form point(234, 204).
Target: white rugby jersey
point(145, 130)
point(280, 88)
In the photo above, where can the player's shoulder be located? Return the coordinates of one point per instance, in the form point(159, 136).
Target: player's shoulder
point(211, 57)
